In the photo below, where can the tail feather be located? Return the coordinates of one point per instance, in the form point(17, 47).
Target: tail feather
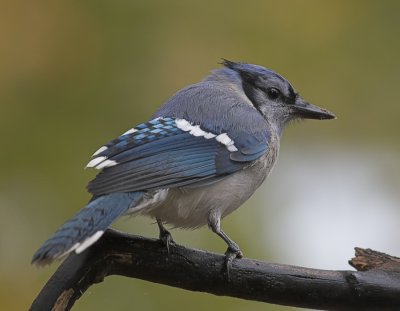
point(86, 227)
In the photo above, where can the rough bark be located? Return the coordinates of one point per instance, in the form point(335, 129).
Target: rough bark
point(375, 287)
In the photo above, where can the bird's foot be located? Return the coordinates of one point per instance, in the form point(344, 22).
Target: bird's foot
point(231, 253)
point(166, 238)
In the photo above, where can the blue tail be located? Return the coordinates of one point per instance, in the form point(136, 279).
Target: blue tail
point(86, 227)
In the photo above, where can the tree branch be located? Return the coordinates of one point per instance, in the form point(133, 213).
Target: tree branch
point(121, 254)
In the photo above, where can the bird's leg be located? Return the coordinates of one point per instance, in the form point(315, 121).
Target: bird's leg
point(233, 250)
point(165, 236)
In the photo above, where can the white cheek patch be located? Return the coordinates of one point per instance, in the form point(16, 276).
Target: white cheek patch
point(195, 130)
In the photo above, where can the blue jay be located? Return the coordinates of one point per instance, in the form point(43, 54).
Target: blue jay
point(200, 157)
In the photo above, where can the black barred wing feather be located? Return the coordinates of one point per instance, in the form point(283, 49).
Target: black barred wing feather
point(167, 152)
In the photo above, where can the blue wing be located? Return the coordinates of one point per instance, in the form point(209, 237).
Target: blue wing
point(168, 152)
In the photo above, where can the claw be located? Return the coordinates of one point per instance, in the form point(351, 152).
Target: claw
point(165, 236)
point(167, 240)
point(231, 253)
point(233, 250)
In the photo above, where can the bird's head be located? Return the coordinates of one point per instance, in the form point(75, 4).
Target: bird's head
point(273, 96)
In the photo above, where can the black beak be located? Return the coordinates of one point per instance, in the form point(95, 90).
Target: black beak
point(305, 110)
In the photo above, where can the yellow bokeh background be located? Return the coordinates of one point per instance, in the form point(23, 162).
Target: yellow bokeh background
point(75, 74)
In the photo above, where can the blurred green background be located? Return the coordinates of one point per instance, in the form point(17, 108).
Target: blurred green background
point(75, 74)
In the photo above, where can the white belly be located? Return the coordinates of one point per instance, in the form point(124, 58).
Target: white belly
point(191, 207)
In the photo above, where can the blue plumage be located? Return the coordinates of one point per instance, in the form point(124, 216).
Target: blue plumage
point(91, 221)
point(145, 132)
point(202, 154)
point(159, 154)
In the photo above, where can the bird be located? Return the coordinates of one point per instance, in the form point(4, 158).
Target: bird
point(201, 155)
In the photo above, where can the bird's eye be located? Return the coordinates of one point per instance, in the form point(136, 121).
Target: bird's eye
point(273, 93)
